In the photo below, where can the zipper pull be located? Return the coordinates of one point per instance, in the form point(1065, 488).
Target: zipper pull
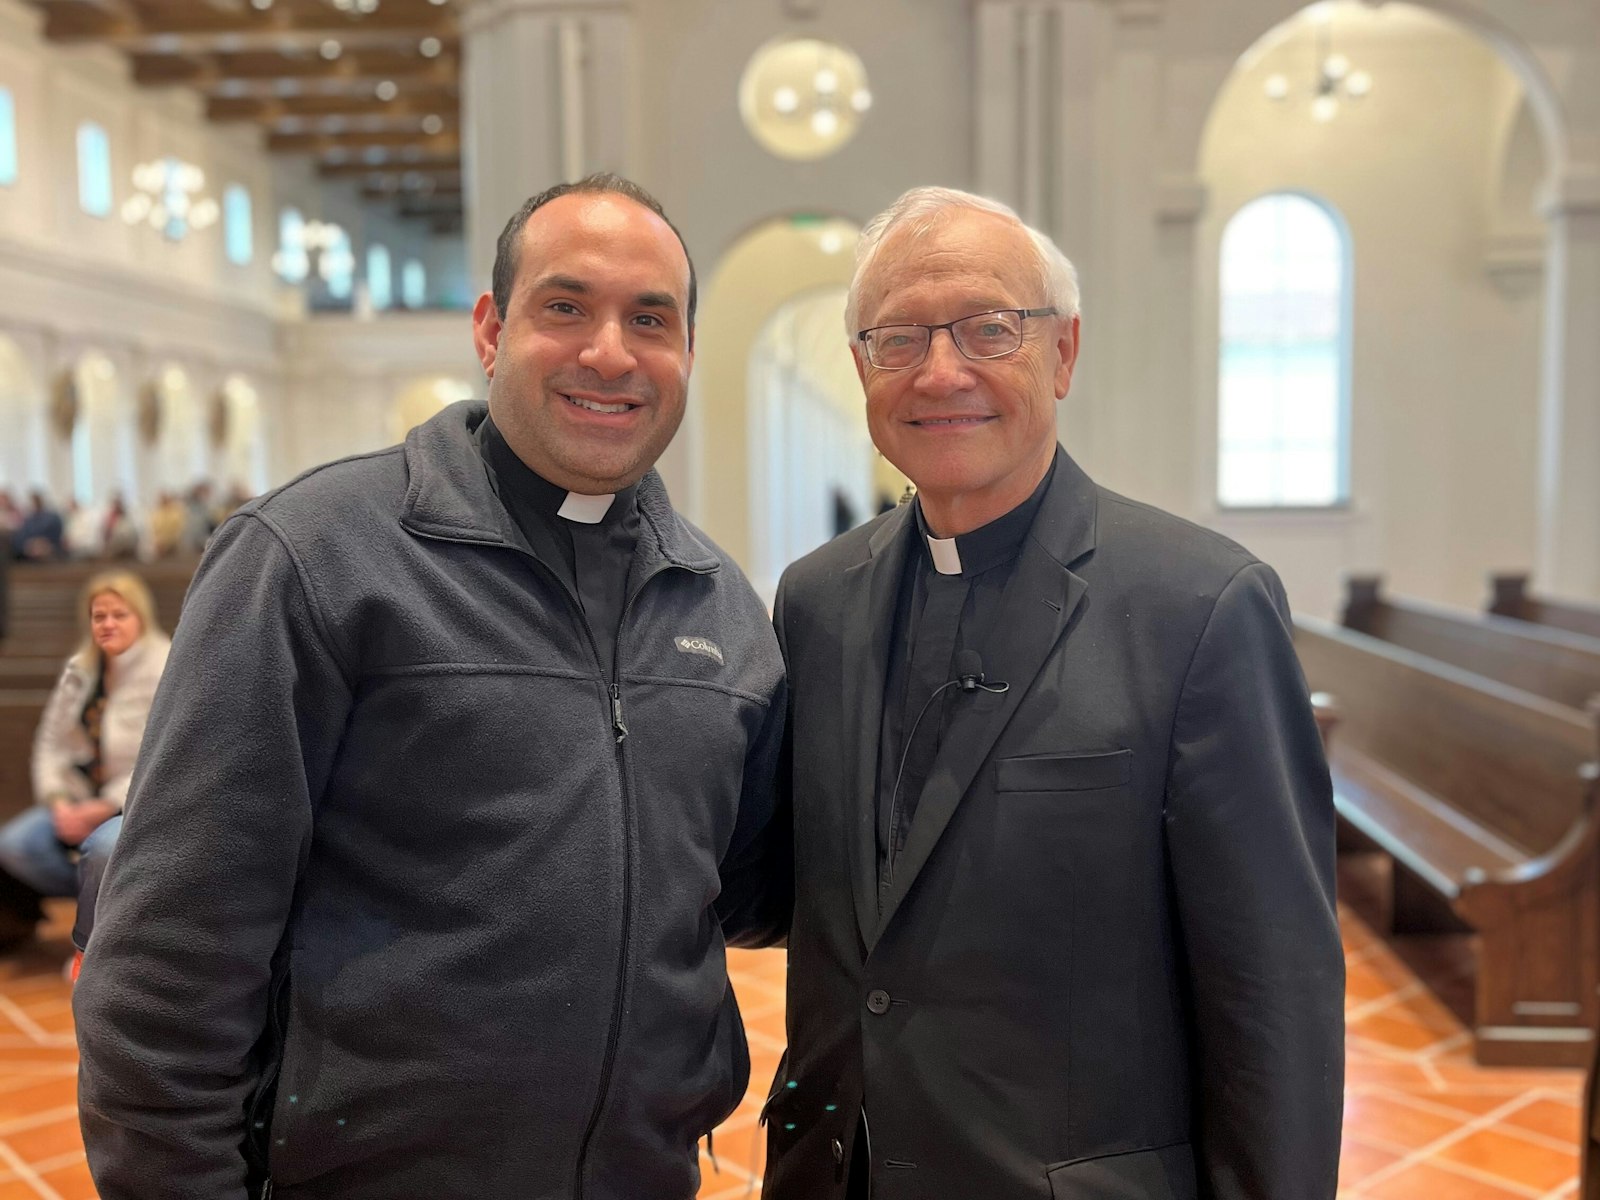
point(616, 713)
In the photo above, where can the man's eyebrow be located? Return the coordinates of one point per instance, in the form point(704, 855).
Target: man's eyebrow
point(562, 283)
point(657, 300)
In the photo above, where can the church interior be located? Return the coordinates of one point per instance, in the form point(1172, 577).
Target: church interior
point(1340, 268)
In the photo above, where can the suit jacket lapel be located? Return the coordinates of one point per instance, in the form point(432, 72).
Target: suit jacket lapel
point(867, 604)
point(1034, 615)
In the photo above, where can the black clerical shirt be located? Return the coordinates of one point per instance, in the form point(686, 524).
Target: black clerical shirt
point(591, 560)
point(937, 615)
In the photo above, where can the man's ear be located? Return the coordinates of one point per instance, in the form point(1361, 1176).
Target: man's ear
point(1067, 342)
point(486, 326)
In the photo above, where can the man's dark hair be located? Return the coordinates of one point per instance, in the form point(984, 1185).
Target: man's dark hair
point(601, 184)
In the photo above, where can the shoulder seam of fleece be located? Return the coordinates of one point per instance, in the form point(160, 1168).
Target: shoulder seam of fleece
point(309, 592)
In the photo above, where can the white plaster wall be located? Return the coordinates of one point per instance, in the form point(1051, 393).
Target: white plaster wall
point(344, 377)
point(714, 179)
point(1444, 361)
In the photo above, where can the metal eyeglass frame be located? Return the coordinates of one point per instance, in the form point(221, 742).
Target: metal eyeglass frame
point(949, 326)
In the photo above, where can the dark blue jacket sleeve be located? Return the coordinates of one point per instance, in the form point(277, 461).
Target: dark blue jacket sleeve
point(173, 998)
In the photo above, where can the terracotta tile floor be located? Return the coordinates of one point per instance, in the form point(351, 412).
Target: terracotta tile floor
point(1421, 1121)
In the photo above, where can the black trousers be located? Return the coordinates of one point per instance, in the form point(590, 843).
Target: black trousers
point(859, 1186)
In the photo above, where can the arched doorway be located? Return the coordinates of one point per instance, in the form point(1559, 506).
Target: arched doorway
point(103, 437)
point(809, 444)
point(182, 458)
point(238, 437)
point(713, 469)
point(25, 450)
point(423, 398)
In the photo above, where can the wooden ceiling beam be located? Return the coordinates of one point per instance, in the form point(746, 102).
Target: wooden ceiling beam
point(356, 141)
point(271, 109)
point(121, 23)
point(235, 75)
point(449, 190)
point(260, 42)
point(442, 167)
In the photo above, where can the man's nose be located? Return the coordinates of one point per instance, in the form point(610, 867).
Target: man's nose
point(945, 369)
point(607, 353)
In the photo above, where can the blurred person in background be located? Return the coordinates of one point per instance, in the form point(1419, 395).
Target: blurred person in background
point(41, 532)
point(85, 530)
point(83, 755)
point(164, 530)
point(200, 522)
point(10, 513)
point(120, 535)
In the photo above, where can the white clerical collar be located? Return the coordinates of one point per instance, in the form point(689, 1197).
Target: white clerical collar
point(585, 510)
point(946, 558)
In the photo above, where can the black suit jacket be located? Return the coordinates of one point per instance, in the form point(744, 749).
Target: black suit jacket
point(1109, 965)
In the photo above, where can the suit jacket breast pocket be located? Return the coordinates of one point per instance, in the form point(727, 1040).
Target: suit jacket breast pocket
point(1064, 772)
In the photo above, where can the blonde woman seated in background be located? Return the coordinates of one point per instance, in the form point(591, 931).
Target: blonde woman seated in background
point(83, 755)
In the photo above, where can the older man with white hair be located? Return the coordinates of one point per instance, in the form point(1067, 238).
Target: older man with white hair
point(1064, 923)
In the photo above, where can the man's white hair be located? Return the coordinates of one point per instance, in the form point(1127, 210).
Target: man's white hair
point(922, 206)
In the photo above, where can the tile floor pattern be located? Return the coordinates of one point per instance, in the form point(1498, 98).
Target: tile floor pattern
point(1421, 1121)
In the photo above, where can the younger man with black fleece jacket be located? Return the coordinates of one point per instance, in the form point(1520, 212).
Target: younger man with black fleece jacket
point(461, 768)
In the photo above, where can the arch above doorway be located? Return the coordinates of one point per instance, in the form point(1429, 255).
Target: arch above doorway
point(709, 467)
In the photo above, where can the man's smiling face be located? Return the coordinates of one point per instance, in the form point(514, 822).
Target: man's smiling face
point(589, 367)
point(974, 436)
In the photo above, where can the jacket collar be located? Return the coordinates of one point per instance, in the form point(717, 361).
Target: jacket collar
point(130, 662)
point(449, 495)
point(1065, 526)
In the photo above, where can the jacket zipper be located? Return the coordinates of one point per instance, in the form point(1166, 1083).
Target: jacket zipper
point(260, 1111)
point(619, 729)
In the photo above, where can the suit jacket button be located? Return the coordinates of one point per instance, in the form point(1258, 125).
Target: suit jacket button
point(877, 1002)
point(838, 1150)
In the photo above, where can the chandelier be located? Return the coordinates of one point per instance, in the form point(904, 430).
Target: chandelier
point(321, 244)
point(168, 196)
point(1334, 78)
point(803, 98)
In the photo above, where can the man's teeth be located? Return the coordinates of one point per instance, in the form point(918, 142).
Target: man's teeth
point(949, 420)
point(594, 406)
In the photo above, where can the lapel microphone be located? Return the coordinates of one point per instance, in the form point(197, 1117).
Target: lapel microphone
point(970, 676)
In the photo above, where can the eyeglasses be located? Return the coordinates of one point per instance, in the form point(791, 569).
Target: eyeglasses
point(983, 335)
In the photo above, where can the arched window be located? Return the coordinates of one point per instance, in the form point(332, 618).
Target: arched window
point(8, 138)
point(291, 262)
point(413, 284)
point(380, 277)
point(94, 170)
point(1283, 430)
point(238, 238)
point(338, 266)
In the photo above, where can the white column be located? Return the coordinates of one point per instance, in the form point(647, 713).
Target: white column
point(548, 95)
point(1036, 124)
point(1568, 562)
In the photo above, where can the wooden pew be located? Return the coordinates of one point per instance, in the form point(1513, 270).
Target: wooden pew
point(1553, 663)
point(1509, 598)
point(1485, 798)
point(19, 715)
point(44, 619)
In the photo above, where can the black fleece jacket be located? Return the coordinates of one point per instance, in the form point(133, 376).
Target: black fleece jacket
point(412, 900)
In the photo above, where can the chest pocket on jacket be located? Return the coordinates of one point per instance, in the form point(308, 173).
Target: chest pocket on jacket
point(1063, 772)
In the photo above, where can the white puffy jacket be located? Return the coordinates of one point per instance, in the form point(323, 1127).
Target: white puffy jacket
point(61, 748)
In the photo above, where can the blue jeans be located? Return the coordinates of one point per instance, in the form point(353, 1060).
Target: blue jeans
point(31, 853)
point(93, 856)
